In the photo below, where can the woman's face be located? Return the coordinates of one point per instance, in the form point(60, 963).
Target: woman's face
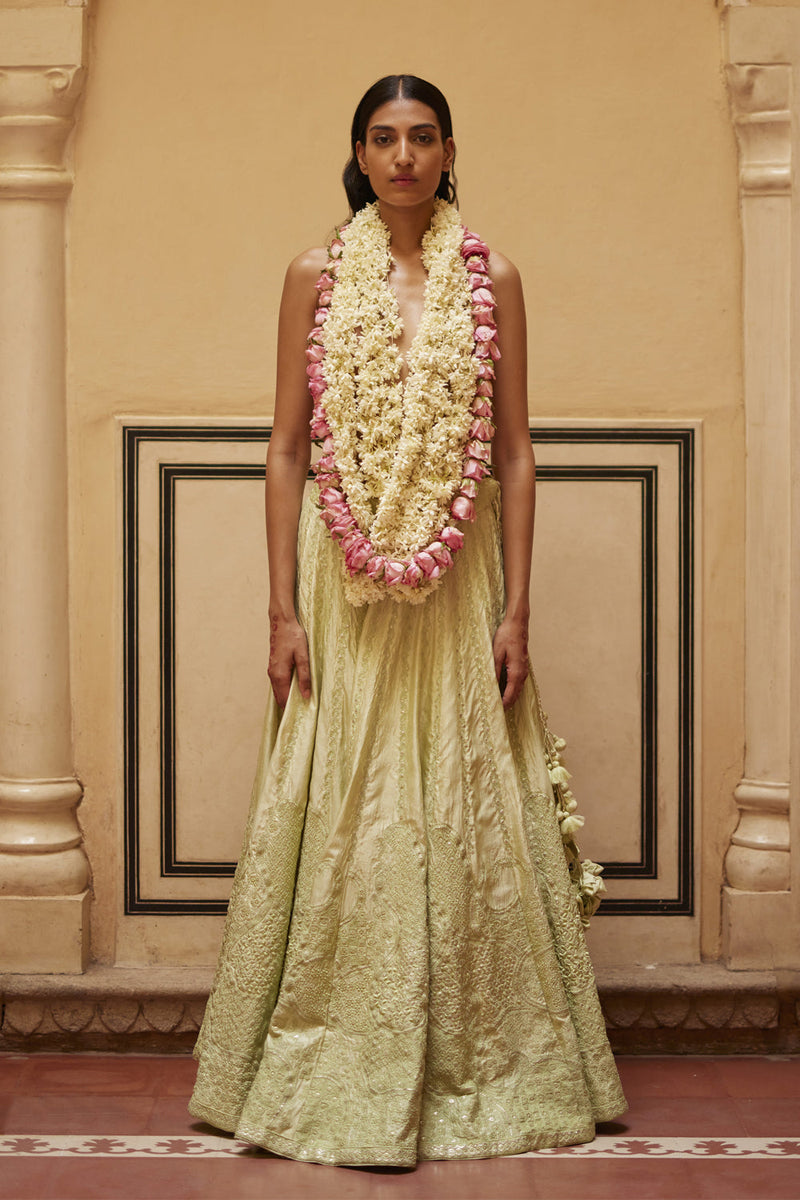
point(404, 154)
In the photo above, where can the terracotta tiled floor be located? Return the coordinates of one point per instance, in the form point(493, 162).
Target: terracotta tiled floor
point(82, 1126)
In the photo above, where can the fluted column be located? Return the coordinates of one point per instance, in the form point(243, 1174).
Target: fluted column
point(44, 871)
point(757, 864)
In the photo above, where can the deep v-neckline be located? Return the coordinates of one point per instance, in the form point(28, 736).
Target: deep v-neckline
point(405, 352)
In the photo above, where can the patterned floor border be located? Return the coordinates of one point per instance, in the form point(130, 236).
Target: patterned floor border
point(155, 1146)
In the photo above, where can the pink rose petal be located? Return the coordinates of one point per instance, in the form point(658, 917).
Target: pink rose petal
point(482, 430)
point(452, 538)
point(375, 566)
point(319, 428)
point(426, 563)
point(358, 555)
point(394, 571)
point(440, 554)
point(474, 470)
point(479, 450)
point(473, 245)
point(463, 509)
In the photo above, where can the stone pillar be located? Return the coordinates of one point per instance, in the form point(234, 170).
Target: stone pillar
point(44, 871)
point(757, 916)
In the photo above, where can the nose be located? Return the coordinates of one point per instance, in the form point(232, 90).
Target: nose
point(404, 153)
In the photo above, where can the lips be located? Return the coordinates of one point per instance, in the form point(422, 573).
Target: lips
point(404, 179)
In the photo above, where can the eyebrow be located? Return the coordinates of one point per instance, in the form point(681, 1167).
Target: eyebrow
point(391, 128)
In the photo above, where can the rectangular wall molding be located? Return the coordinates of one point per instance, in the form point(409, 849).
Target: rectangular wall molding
point(614, 606)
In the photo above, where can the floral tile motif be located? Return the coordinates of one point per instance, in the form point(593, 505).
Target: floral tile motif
point(680, 1147)
point(208, 1146)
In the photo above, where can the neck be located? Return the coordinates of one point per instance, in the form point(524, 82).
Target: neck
point(407, 226)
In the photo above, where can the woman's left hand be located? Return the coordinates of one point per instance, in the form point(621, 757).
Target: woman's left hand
point(511, 663)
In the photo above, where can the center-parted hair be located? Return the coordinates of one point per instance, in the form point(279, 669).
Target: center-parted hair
point(393, 87)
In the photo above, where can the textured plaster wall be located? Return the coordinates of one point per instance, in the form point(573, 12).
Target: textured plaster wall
point(594, 148)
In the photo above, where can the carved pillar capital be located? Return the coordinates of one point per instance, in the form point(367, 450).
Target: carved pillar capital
point(760, 97)
point(37, 113)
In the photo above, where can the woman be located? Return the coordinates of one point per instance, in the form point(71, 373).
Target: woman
point(403, 974)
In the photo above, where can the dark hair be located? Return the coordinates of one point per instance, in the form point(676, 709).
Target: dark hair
point(393, 87)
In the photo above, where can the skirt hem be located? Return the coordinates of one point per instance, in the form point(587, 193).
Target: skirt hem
point(365, 1156)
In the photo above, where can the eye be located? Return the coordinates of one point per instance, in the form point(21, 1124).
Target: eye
point(424, 138)
point(381, 139)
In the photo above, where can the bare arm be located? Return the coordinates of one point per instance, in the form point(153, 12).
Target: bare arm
point(514, 467)
point(287, 467)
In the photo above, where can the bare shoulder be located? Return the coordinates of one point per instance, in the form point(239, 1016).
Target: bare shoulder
point(510, 311)
point(305, 270)
point(503, 272)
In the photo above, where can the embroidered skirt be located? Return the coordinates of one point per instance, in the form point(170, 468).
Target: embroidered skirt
point(403, 974)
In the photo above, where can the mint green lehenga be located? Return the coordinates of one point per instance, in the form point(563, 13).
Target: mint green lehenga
point(404, 974)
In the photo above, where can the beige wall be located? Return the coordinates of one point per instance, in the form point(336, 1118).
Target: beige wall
point(595, 148)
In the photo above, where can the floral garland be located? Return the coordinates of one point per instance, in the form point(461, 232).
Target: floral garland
point(401, 460)
point(584, 874)
point(587, 886)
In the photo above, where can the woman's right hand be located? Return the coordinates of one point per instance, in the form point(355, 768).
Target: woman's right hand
point(288, 653)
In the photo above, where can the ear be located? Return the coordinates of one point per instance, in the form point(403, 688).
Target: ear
point(449, 153)
point(361, 155)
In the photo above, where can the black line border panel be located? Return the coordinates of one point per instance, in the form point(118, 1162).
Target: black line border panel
point(170, 476)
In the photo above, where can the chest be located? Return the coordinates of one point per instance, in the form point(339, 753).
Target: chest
point(407, 280)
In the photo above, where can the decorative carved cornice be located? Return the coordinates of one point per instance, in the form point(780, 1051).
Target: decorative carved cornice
point(760, 99)
point(702, 1009)
point(37, 113)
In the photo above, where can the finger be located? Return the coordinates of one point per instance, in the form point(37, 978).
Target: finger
point(281, 681)
point(499, 661)
point(303, 671)
point(517, 674)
